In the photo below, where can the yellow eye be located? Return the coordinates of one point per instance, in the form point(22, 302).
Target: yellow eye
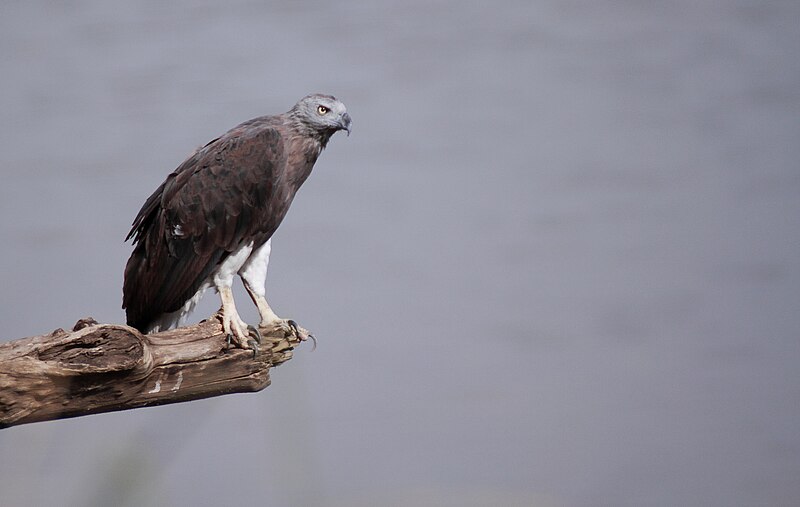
point(322, 109)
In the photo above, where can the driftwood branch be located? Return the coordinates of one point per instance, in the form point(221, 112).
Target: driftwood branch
point(102, 368)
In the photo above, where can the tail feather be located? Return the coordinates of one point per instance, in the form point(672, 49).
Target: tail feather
point(159, 285)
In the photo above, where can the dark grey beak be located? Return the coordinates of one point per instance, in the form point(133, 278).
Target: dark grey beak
point(345, 123)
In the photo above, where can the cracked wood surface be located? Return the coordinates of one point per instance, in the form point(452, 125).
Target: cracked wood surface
point(99, 368)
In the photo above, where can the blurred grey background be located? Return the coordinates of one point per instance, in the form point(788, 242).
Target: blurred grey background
point(557, 262)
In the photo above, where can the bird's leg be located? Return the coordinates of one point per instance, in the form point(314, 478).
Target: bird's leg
point(246, 337)
point(268, 317)
point(269, 320)
point(254, 277)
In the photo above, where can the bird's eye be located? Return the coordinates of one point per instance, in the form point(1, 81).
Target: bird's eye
point(322, 109)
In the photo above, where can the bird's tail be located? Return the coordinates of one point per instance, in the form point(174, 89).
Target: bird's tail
point(136, 300)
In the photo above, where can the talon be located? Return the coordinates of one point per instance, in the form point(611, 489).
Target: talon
point(294, 326)
point(313, 339)
point(254, 346)
point(230, 339)
point(255, 333)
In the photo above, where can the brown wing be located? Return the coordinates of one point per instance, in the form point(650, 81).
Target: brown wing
point(220, 197)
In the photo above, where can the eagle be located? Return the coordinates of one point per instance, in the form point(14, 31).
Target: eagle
point(214, 217)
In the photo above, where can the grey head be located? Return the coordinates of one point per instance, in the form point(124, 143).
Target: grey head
point(322, 114)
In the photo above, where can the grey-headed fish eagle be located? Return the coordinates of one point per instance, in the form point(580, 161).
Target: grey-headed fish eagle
point(214, 217)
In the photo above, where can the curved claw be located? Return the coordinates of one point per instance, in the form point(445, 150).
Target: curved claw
point(299, 335)
point(229, 340)
point(254, 346)
point(255, 333)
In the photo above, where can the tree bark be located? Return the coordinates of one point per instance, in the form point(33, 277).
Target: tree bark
point(99, 368)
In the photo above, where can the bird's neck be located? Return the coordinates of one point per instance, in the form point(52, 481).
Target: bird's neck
point(305, 150)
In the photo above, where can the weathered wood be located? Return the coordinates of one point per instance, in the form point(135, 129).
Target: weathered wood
point(102, 368)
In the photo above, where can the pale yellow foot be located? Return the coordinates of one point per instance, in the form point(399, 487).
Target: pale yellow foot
point(274, 325)
point(237, 331)
point(288, 327)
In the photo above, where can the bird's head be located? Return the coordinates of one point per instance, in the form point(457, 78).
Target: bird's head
point(322, 113)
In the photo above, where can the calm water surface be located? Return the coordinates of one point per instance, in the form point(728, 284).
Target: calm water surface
point(555, 264)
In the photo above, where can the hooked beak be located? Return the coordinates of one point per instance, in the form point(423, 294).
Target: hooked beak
point(344, 123)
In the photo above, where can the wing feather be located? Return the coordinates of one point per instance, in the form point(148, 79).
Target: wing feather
point(216, 200)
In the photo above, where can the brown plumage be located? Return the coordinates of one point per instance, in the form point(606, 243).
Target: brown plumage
point(227, 197)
